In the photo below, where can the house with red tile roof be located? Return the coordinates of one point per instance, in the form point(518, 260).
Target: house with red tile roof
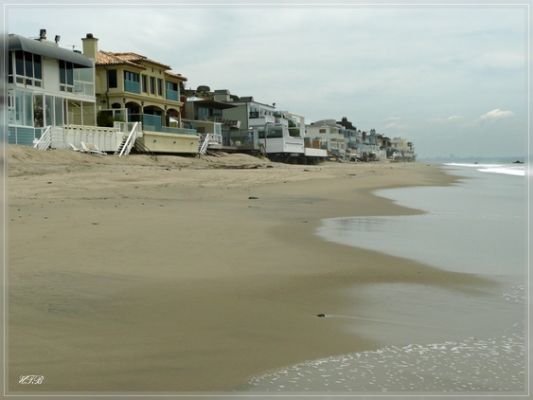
point(134, 88)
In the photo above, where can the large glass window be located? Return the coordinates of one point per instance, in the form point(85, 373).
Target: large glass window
point(19, 63)
point(19, 108)
point(11, 107)
point(28, 109)
point(275, 132)
point(10, 67)
point(172, 92)
point(38, 111)
point(58, 105)
point(27, 69)
point(49, 111)
point(84, 81)
point(132, 82)
point(203, 113)
point(28, 63)
point(66, 76)
point(37, 68)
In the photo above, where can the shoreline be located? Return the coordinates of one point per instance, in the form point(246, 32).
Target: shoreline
point(232, 295)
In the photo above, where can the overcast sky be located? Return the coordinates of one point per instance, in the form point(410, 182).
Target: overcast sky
point(452, 79)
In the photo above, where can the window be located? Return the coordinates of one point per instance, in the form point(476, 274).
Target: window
point(27, 69)
point(152, 85)
point(322, 130)
point(131, 76)
point(275, 132)
point(37, 67)
point(172, 91)
point(172, 86)
point(132, 82)
point(11, 106)
point(58, 104)
point(28, 64)
point(19, 108)
point(10, 67)
point(160, 87)
point(66, 76)
point(19, 62)
point(112, 78)
point(144, 84)
point(84, 81)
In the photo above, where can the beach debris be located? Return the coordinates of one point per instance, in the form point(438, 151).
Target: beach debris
point(252, 198)
point(321, 315)
point(49, 182)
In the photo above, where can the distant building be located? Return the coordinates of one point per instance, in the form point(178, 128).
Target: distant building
point(203, 113)
point(329, 135)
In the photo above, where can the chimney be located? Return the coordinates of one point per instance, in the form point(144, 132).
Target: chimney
point(90, 46)
point(42, 34)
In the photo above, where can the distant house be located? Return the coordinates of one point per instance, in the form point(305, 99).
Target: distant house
point(203, 113)
point(48, 86)
point(329, 135)
point(250, 114)
point(402, 150)
point(131, 87)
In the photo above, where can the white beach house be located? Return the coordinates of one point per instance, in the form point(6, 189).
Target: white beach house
point(48, 86)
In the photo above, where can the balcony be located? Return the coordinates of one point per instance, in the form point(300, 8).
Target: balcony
point(85, 88)
point(132, 86)
point(153, 123)
point(172, 95)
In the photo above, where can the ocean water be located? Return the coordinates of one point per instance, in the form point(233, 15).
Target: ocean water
point(435, 340)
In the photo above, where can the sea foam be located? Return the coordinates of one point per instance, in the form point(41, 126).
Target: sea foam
point(506, 169)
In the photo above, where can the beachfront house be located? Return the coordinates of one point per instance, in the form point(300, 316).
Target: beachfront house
point(328, 134)
point(402, 150)
point(205, 114)
point(48, 88)
point(130, 88)
point(251, 115)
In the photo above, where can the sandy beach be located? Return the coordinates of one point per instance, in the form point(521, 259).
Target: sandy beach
point(181, 274)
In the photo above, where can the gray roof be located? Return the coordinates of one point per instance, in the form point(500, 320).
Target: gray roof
point(49, 50)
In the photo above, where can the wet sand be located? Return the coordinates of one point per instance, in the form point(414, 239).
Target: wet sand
point(166, 276)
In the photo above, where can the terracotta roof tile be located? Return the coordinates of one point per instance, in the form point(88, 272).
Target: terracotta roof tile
point(134, 57)
point(108, 58)
point(176, 75)
point(130, 58)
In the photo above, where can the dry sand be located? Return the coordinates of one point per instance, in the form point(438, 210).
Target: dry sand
point(145, 274)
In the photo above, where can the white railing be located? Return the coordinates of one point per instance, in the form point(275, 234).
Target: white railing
point(44, 142)
point(130, 140)
point(205, 143)
point(107, 139)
